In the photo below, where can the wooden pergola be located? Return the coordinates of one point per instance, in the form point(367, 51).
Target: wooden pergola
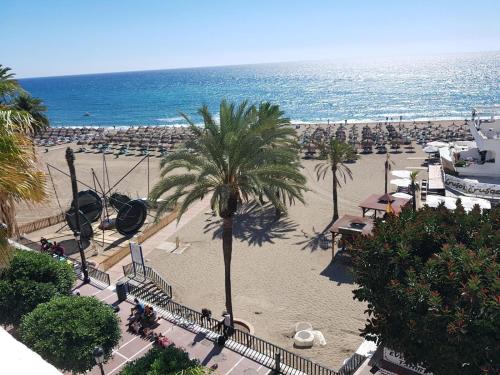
point(379, 204)
point(351, 226)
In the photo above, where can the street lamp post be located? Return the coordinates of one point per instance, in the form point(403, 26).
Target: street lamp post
point(70, 158)
point(99, 358)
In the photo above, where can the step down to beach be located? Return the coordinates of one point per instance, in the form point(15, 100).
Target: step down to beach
point(170, 247)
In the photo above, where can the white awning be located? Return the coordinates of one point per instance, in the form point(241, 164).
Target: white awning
point(401, 173)
point(403, 182)
point(451, 203)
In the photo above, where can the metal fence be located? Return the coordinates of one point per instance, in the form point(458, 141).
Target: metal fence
point(148, 273)
point(250, 346)
point(97, 275)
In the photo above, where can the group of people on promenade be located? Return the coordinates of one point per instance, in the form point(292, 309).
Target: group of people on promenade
point(52, 248)
point(142, 319)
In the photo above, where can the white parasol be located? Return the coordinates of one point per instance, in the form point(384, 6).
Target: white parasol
point(401, 173)
point(402, 182)
point(430, 149)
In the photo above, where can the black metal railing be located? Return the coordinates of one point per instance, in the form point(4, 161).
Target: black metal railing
point(131, 270)
point(94, 273)
point(250, 346)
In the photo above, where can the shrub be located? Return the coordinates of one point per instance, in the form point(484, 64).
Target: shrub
point(65, 331)
point(163, 361)
point(430, 280)
point(31, 278)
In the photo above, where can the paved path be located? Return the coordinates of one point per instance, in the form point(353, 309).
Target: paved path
point(132, 346)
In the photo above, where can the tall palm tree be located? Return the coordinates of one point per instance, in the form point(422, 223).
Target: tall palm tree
point(247, 155)
point(414, 187)
point(337, 154)
point(20, 179)
point(33, 106)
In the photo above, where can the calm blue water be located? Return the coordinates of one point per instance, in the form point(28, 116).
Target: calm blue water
point(438, 87)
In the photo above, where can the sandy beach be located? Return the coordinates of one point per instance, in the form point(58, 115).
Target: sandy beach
point(282, 271)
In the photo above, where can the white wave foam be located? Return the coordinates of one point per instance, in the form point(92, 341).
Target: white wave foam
point(170, 119)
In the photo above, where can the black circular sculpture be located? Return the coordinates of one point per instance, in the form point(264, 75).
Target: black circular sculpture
point(86, 231)
point(90, 204)
point(117, 200)
point(131, 217)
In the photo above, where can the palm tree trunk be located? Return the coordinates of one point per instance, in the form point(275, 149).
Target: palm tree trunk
point(414, 203)
point(335, 196)
point(227, 248)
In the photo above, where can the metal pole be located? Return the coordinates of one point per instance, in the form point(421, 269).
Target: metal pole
point(277, 363)
point(70, 158)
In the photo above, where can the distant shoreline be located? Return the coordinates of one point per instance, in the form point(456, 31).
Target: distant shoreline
point(293, 122)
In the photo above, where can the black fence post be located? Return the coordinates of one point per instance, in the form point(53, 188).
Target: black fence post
point(277, 363)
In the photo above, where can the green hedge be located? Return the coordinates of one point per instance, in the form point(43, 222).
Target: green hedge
point(65, 331)
point(164, 361)
point(31, 278)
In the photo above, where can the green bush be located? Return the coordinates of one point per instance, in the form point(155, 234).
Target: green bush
point(31, 278)
point(65, 331)
point(430, 281)
point(163, 361)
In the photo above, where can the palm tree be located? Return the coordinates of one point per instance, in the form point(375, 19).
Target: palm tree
point(33, 106)
point(249, 155)
point(20, 179)
point(387, 167)
point(414, 187)
point(337, 154)
point(8, 85)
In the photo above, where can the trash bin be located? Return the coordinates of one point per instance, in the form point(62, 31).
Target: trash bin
point(121, 290)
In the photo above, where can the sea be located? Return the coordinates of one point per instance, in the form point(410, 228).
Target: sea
point(365, 89)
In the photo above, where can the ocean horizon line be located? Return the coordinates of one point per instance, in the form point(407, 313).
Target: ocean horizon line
point(311, 61)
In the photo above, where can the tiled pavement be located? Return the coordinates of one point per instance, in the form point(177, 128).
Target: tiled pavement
point(197, 345)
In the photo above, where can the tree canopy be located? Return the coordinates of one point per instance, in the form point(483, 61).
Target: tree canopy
point(65, 331)
point(20, 177)
point(249, 154)
point(31, 278)
point(164, 361)
point(431, 283)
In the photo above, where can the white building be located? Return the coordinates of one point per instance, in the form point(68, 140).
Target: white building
point(484, 160)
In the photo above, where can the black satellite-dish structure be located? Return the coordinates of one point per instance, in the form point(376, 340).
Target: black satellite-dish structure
point(131, 214)
point(86, 231)
point(90, 204)
point(117, 200)
point(131, 217)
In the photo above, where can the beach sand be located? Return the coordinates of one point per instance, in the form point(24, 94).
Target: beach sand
point(282, 272)
point(281, 275)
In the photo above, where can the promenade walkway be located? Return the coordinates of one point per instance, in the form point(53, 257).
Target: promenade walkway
point(197, 345)
point(116, 272)
point(132, 346)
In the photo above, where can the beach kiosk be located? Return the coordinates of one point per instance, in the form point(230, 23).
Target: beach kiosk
point(350, 226)
point(379, 203)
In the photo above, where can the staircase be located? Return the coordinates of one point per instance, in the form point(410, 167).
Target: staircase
point(148, 291)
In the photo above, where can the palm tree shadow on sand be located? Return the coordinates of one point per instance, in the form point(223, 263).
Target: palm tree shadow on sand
point(255, 225)
point(318, 240)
